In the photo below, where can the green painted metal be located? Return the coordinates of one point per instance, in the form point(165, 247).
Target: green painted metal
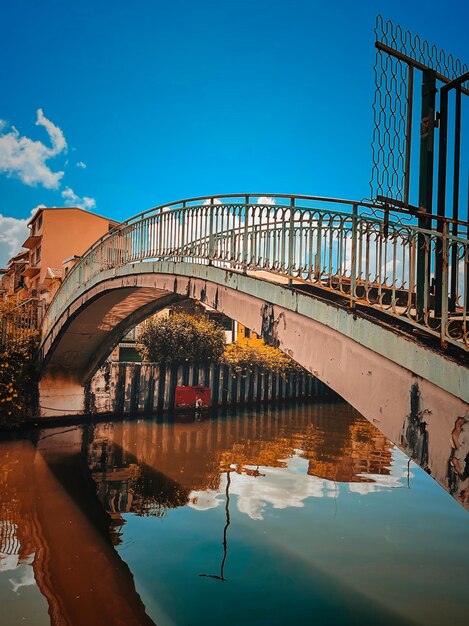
point(427, 132)
point(336, 245)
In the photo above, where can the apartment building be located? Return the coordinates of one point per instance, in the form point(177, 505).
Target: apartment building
point(58, 237)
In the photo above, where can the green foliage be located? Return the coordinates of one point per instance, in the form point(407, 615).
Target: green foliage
point(245, 357)
point(17, 379)
point(181, 338)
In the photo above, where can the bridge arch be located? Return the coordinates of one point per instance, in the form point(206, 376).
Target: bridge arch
point(413, 393)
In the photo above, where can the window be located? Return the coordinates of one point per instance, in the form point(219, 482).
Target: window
point(38, 254)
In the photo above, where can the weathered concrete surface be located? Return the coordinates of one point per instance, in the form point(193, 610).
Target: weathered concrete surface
point(414, 395)
point(145, 388)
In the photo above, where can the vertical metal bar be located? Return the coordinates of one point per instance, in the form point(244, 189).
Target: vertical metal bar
point(466, 305)
point(444, 284)
point(456, 174)
point(441, 206)
point(353, 269)
point(245, 236)
point(291, 242)
point(408, 138)
point(183, 229)
point(317, 260)
point(211, 238)
point(427, 132)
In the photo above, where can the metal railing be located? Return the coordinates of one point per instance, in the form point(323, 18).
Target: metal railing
point(19, 322)
point(336, 245)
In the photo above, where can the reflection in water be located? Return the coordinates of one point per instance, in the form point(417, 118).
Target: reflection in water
point(147, 468)
point(76, 501)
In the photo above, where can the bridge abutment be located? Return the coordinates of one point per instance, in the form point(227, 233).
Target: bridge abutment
point(60, 394)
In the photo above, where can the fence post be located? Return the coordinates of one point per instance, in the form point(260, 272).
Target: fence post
point(291, 242)
point(353, 269)
point(444, 284)
point(211, 236)
point(427, 132)
point(183, 229)
point(245, 236)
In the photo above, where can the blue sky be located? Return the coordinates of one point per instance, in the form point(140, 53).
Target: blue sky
point(157, 101)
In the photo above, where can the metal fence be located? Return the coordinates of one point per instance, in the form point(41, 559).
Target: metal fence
point(409, 73)
point(19, 322)
point(336, 245)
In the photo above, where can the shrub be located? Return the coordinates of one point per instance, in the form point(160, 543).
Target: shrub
point(181, 338)
point(17, 379)
point(244, 357)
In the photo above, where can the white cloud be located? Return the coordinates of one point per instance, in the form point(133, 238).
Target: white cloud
point(26, 159)
point(81, 165)
point(55, 134)
point(13, 232)
point(266, 200)
point(71, 199)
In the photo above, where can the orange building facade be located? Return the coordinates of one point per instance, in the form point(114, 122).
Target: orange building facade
point(58, 237)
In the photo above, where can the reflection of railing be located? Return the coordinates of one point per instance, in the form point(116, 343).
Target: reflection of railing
point(329, 243)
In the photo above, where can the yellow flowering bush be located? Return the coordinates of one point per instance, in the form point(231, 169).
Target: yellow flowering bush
point(245, 357)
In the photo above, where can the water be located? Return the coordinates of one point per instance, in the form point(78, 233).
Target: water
point(302, 515)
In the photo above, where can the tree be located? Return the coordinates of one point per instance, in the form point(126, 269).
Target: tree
point(181, 338)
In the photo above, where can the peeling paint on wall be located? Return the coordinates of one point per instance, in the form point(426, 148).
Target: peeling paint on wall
point(269, 325)
point(458, 464)
point(414, 438)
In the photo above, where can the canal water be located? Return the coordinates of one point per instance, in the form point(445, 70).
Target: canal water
point(296, 515)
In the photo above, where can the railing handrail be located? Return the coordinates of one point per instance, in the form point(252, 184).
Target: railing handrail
point(182, 204)
point(232, 228)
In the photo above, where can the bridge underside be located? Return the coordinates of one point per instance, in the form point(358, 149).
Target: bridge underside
point(415, 396)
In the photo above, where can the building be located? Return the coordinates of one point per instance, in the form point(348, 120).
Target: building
point(12, 284)
point(58, 237)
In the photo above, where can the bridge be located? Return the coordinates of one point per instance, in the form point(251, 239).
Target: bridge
point(332, 283)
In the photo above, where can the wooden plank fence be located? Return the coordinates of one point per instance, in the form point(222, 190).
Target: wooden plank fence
point(145, 388)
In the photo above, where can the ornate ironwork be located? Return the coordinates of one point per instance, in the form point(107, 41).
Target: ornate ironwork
point(330, 243)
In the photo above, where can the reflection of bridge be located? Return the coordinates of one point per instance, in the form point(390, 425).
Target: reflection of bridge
point(336, 289)
point(148, 467)
point(52, 519)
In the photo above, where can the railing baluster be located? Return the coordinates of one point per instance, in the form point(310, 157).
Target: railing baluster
point(291, 242)
point(344, 251)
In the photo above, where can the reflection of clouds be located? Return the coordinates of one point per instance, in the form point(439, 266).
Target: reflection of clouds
point(290, 486)
point(12, 562)
point(27, 579)
point(8, 562)
point(280, 488)
point(204, 500)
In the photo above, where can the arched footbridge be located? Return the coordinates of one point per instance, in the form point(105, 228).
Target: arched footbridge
point(350, 295)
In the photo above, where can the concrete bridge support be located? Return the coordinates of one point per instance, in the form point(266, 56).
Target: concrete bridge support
point(416, 396)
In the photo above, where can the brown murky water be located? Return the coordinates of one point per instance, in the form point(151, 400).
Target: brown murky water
point(296, 515)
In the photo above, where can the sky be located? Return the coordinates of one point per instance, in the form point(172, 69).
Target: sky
point(121, 106)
